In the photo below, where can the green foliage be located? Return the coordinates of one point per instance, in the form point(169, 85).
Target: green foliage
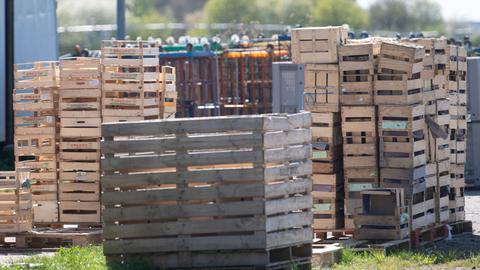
point(338, 12)
point(404, 16)
point(78, 258)
point(405, 260)
point(228, 11)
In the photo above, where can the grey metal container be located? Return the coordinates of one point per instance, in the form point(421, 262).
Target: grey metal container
point(472, 166)
point(287, 87)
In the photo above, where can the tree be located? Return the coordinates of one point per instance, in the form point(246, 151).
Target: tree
point(389, 15)
point(338, 12)
point(294, 12)
point(404, 16)
point(230, 11)
point(427, 16)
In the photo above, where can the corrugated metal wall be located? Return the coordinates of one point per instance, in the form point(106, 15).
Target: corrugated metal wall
point(2, 71)
point(35, 40)
point(35, 30)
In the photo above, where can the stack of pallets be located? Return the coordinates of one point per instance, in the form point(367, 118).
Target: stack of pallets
point(79, 156)
point(317, 48)
point(238, 197)
point(357, 69)
point(35, 101)
point(458, 131)
point(168, 93)
point(130, 81)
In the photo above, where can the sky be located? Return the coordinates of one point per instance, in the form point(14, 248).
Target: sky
point(465, 10)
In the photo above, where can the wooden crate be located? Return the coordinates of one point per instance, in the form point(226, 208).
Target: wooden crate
point(383, 215)
point(422, 209)
point(402, 141)
point(397, 89)
point(327, 193)
point(80, 95)
point(168, 93)
point(357, 68)
point(197, 176)
point(440, 86)
point(359, 136)
point(42, 74)
point(130, 81)
point(442, 196)
point(16, 201)
point(35, 111)
point(357, 180)
point(401, 59)
point(429, 44)
point(317, 44)
point(322, 88)
point(326, 142)
point(456, 202)
point(411, 180)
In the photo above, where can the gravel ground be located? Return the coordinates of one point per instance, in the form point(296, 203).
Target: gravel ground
point(466, 243)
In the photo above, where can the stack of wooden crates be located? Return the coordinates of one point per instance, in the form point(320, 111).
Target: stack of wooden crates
point(402, 110)
point(317, 49)
point(35, 102)
point(79, 157)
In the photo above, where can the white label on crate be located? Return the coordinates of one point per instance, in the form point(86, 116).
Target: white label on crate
point(320, 154)
point(45, 96)
point(394, 124)
point(93, 83)
point(10, 239)
point(353, 187)
point(50, 119)
point(81, 176)
point(322, 207)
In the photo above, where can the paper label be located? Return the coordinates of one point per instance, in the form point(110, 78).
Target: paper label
point(322, 207)
point(319, 154)
point(354, 187)
point(394, 124)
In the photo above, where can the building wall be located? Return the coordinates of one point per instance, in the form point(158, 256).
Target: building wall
point(35, 39)
point(2, 71)
point(35, 30)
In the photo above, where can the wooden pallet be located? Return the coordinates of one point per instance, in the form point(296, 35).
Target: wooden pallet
point(317, 44)
point(383, 246)
point(130, 81)
point(357, 65)
point(47, 238)
point(275, 201)
point(322, 88)
point(402, 141)
point(428, 235)
point(359, 137)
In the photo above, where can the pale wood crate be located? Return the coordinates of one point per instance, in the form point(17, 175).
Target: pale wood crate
point(130, 81)
point(322, 88)
point(16, 203)
point(327, 193)
point(402, 136)
point(384, 218)
point(359, 136)
point(357, 68)
point(168, 92)
point(400, 58)
point(326, 142)
point(191, 177)
point(317, 44)
point(397, 89)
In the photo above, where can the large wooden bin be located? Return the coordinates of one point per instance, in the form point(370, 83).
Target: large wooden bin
point(208, 192)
